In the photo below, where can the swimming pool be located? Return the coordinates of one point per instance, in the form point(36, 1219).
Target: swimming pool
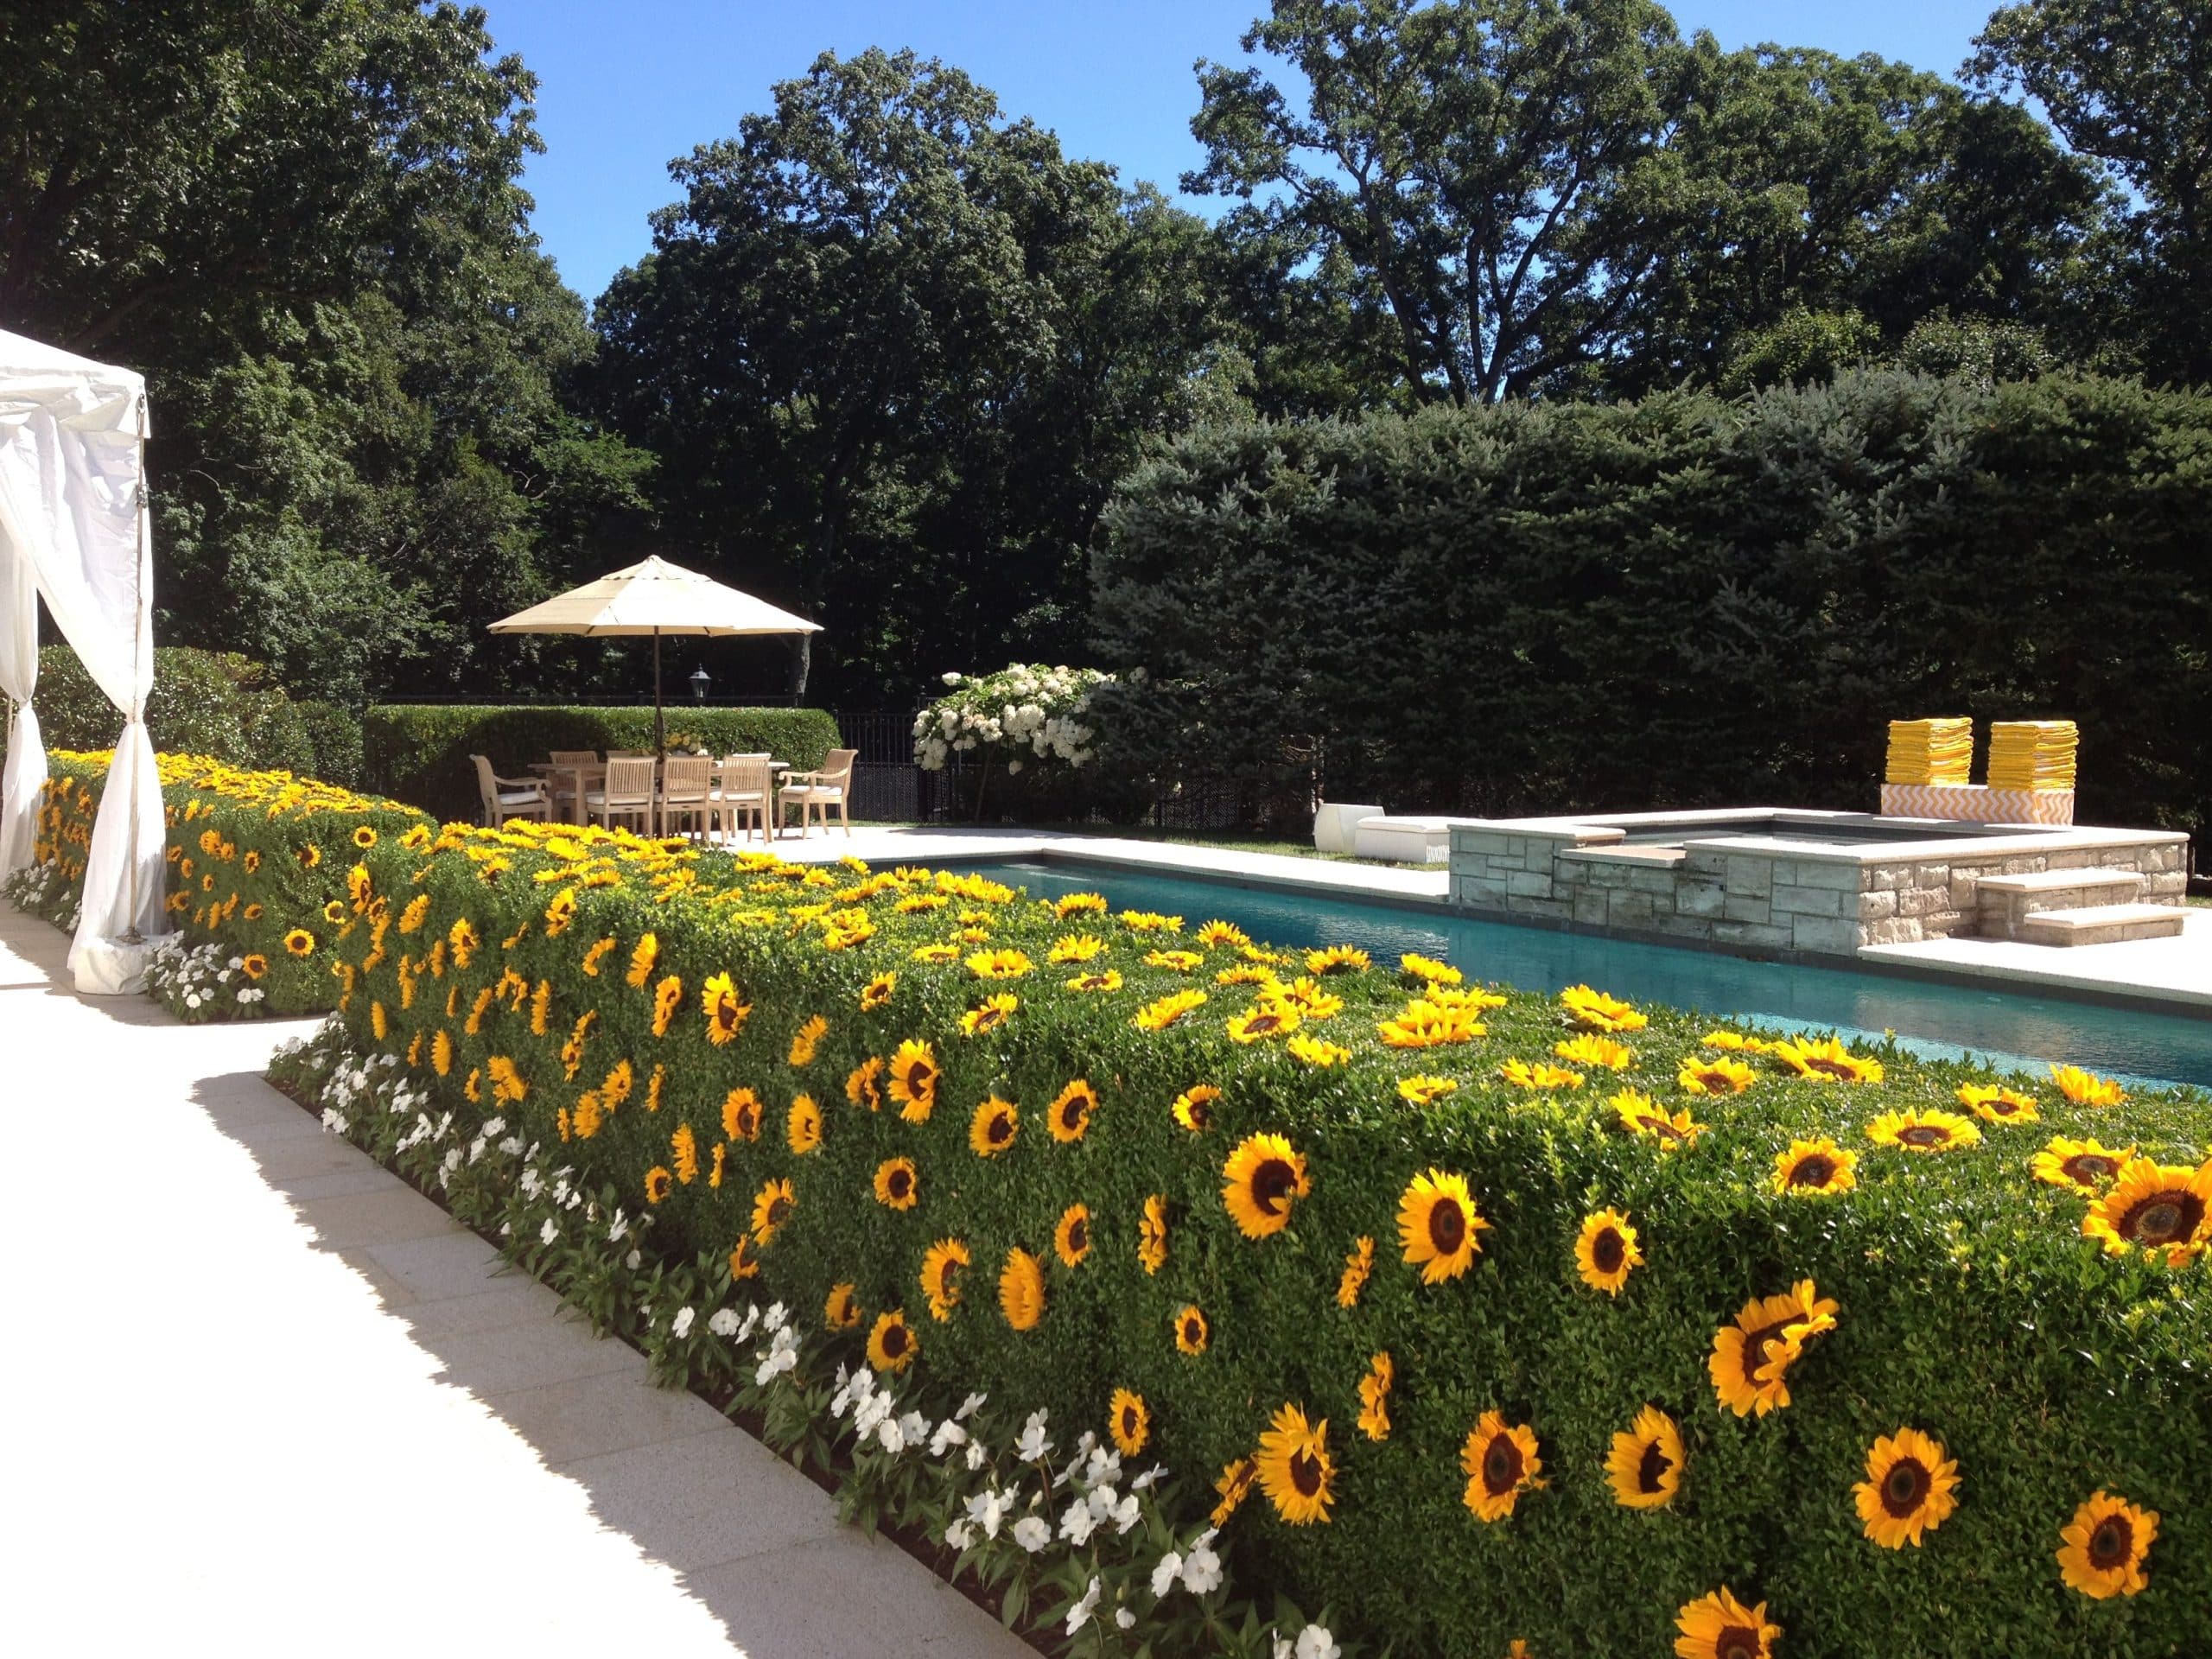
point(1934, 1019)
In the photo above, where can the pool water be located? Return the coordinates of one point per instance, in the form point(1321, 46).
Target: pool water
point(1931, 1018)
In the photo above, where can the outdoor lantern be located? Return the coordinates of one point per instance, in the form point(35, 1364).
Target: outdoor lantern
point(699, 685)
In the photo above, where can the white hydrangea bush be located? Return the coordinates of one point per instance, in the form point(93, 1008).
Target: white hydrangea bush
point(1027, 713)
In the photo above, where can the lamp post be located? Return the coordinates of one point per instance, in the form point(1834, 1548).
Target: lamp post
point(699, 683)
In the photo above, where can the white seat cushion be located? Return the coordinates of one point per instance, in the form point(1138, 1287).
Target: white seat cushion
point(519, 797)
point(814, 792)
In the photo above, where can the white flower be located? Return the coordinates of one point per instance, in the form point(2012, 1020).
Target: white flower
point(891, 1436)
point(619, 1229)
point(1202, 1568)
point(1314, 1642)
point(549, 1232)
point(751, 1319)
point(958, 1534)
point(977, 1456)
point(1280, 1649)
point(1167, 1572)
point(1124, 1618)
point(914, 1428)
point(970, 1407)
point(1078, 1524)
point(680, 1327)
point(775, 1316)
point(1032, 1533)
point(1033, 1446)
point(633, 1261)
point(948, 1435)
point(492, 1126)
point(1079, 1615)
point(951, 677)
point(1147, 1479)
point(987, 1509)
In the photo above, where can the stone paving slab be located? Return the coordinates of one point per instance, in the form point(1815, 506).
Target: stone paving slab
point(220, 1288)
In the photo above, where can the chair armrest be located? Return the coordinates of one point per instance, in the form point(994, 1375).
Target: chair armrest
point(804, 777)
point(538, 784)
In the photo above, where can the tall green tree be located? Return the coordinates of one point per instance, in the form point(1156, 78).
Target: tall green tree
point(2129, 83)
point(894, 349)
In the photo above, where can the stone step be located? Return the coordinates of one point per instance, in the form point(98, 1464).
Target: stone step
point(2004, 903)
point(2101, 925)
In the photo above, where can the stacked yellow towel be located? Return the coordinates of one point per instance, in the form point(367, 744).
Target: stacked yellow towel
point(1929, 751)
point(2032, 754)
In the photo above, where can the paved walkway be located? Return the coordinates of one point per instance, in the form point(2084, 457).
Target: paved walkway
point(261, 1397)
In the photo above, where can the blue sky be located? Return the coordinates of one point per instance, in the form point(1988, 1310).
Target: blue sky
point(623, 89)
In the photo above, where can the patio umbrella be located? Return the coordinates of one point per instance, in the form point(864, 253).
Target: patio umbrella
point(655, 597)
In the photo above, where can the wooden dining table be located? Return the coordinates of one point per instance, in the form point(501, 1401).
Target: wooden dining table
point(584, 777)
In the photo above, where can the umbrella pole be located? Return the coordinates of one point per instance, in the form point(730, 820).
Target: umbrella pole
point(660, 727)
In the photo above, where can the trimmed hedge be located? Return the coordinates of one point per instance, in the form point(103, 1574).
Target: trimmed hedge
point(1688, 601)
point(419, 752)
point(207, 703)
point(567, 982)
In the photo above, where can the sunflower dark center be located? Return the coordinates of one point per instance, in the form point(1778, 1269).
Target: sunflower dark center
point(1129, 1422)
point(1264, 1025)
point(899, 1182)
point(2163, 1217)
point(1305, 1473)
point(1756, 1343)
point(1651, 1468)
point(1193, 1333)
point(997, 1130)
point(1198, 1113)
point(2112, 1543)
point(1658, 1125)
point(1818, 1170)
point(1905, 1488)
point(1736, 1642)
point(1608, 1252)
point(894, 1341)
point(2089, 1167)
point(1500, 1466)
point(1447, 1226)
point(1078, 1236)
point(1272, 1183)
point(1924, 1134)
point(780, 1211)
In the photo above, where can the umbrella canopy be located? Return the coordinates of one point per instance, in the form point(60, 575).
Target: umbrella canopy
point(655, 597)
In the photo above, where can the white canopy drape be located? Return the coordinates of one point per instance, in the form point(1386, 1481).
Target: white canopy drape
point(73, 529)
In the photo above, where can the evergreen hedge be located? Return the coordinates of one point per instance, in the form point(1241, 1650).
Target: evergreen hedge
point(1682, 602)
point(419, 752)
point(214, 703)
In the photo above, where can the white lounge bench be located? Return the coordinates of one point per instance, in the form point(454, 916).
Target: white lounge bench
point(1335, 825)
point(1404, 841)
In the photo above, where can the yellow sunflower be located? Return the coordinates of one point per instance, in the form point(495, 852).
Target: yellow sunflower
point(896, 1182)
point(1072, 1234)
point(1160, 1014)
point(1438, 1225)
point(668, 996)
point(1993, 1104)
point(1427, 1022)
point(1718, 1626)
point(1541, 1075)
point(1337, 959)
point(989, 1014)
point(864, 1083)
point(1293, 1466)
point(878, 992)
point(1069, 1116)
point(1816, 1169)
point(1737, 1041)
point(724, 1009)
point(937, 953)
point(1193, 1333)
point(1231, 1488)
point(1261, 1022)
point(1500, 1461)
point(742, 1114)
point(999, 964)
point(1109, 980)
point(1826, 1060)
point(253, 965)
point(1181, 961)
point(1261, 1179)
point(1699, 1075)
point(1152, 1233)
point(1129, 1421)
point(1313, 1001)
point(840, 1311)
point(772, 1209)
point(741, 1264)
point(2084, 1166)
point(2101, 1551)
point(1021, 1290)
point(806, 1039)
point(2087, 1088)
point(1752, 1357)
point(941, 1266)
point(1419, 971)
point(1075, 947)
point(1375, 1397)
point(1220, 932)
point(1359, 1262)
point(1072, 904)
point(299, 943)
point(1590, 1049)
point(2160, 1208)
point(1421, 1090)
point(1645, 1463)
point(1312, 1051)
point(913, 1080)
point(1924, 1131)
point(803, 1127)
point(660, 1181)
point(1908, 1489)
point(1595, 1011)
point(891, 1346)
point(1605, 1251)
point(1193, 1107)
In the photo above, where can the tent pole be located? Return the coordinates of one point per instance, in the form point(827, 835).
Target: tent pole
point(130, 934)
point(660, 727)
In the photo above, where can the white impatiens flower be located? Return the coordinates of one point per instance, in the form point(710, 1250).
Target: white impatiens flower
point(948, 1435)
point(1079, 1615)
point(549, 1232)
point(1078, 1524)
point(1202, 1572)
point(987, 1509)
point(1124, 1619)
point(680, 1326)
point(1167, 1572)
point(1314, 1642)
point(723, 1322)
point(1032, 1533)
point(633, 1261)
point(970, 1407)
point(977, 1457)
point(958, 1534)
point(1033, 1446)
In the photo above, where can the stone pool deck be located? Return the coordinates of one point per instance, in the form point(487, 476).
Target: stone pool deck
point(263, 1398)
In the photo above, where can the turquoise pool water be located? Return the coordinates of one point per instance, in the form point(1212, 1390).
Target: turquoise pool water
point(1936, 1020)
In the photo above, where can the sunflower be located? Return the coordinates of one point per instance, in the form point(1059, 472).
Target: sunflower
point(1152, 1233)
point(1159, 1015)
point(2157, 1208)
point(877, 993)
point(1129, 1421)
point(772, 1209)
point(1181, 961)
point(1645, 1464)
point(913, 1080)
point(1425, 1022)
point(1752, 1357)
point(334, 912)
point(1069, 1116)
point(2087, 1088)
point(1109, 980)
point(896, 1181)
point(642, 961)
point(1312, 1051)
point(741, 1264)
point(937, 953)
point(891, 1346)
point(803, 1128)
point(1699, 1075)
point(863, 1085)
point(1500, 1461)
point(1737, 1041)
point(1193, 1107)
point(253, 965)
point(1908, 1489)
point(2102, 1549)
point(941, 1266)
point(1359, 1261)
point(1419, 971)
point(1924, 1131)
point(988, 1015)
point(1718, 1626)
point(840, 1311)
point(1826, 1060)
point(1595, 1011)
point(1995, 1105)
point(1075, 947)
point(1590, 1049)
point(1021, 1290)
point(1262, 1020)
point(659, 1183)
point(1231, 1489)
point(1293, 1466)
point(299, 943)
point(1421, 1090)
point(364, 837)
point(684, 1152)
point(1816, 1169)
point(1337, 959)
point(1375, 1397)
point(1260, 1181)
point(1193, 1333)
point(668, 996)
point(2085, 1166)
point(441, 1052)
point(1072, 1234)
point(742, 1114)
point(806, 1039)
point(1439, 1225)
point(1541, 1075)
point(999, 964)
point(1605, 1251)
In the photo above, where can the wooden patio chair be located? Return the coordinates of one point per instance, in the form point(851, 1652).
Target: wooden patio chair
point(563, 785)
point(510, 798)
point(685, 780)
point(747, 797)
point(627, 793)
point(815, 792)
